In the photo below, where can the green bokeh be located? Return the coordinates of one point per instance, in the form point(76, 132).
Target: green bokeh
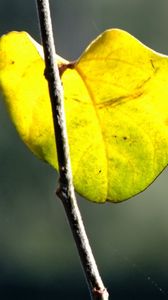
point(38, 258)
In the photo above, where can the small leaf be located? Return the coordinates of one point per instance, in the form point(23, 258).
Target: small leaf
point(116, 110)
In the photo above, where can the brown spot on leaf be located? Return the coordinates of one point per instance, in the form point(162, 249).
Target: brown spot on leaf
point(63, 67)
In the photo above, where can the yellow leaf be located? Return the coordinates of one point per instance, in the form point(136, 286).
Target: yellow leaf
point(116, 110)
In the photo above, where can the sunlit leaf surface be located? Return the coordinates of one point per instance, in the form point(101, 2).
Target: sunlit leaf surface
point(116, 103)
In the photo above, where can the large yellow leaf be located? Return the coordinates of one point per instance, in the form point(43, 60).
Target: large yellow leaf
point(116, 103)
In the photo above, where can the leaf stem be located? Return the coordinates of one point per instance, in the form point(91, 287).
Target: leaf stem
point(66, 189)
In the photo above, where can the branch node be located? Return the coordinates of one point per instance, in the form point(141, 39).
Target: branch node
point(100, 293)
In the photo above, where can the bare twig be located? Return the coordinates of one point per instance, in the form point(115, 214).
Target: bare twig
point(66, 189)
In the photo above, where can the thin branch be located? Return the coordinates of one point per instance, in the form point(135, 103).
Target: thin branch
point(66, 189)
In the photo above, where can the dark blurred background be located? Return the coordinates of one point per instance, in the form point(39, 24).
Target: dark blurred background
point(38, 258)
